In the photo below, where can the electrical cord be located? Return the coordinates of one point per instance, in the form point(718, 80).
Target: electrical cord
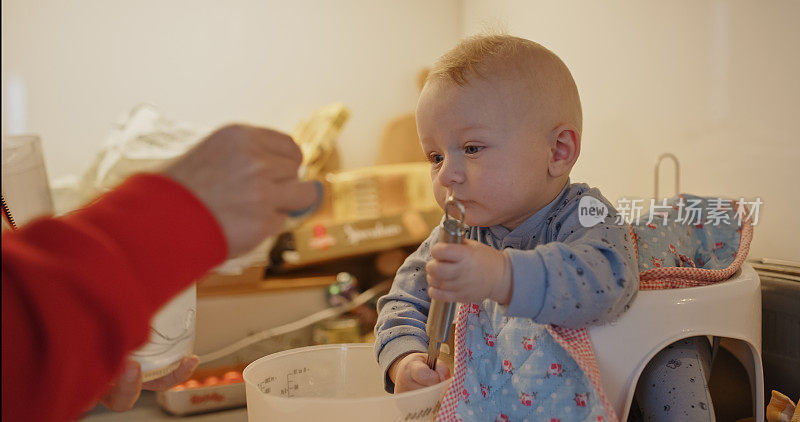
point(7, 213)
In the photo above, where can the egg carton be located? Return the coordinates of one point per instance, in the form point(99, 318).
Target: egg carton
point(208, 390)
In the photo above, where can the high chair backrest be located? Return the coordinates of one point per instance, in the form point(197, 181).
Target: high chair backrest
point(730, 309)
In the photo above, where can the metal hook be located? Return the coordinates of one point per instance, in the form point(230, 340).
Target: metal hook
point(677, 174)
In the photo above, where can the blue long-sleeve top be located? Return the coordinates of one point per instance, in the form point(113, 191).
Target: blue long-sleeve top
point(564, 273)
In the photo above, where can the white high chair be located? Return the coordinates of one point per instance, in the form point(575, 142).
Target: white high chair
point(730, 309)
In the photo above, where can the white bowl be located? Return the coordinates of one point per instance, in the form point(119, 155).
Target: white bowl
point(335, 382)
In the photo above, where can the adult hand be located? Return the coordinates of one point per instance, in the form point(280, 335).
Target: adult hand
point(247, 177)
point(125, 390)
point(468, 272)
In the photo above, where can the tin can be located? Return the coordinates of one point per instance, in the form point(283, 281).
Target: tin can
point(337, 330)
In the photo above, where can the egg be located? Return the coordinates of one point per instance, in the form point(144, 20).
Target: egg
point(192, 384)
point(232, 377)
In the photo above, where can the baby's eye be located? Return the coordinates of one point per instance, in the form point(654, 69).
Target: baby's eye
point(435, 158)
point(472, 149)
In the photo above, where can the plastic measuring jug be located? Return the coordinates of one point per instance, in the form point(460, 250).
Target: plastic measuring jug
point(334, 382)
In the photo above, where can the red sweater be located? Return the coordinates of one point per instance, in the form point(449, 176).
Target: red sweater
point(79, 291)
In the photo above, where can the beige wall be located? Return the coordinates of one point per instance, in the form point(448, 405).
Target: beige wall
point(85, 62)
point(712, 81)
point(715, 82)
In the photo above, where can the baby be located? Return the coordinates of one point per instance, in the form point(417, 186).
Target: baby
point(500, 121)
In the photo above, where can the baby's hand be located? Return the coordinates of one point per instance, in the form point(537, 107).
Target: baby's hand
point(411, 372)
point(468, 272)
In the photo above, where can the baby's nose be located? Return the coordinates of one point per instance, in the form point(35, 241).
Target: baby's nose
point(450, 174)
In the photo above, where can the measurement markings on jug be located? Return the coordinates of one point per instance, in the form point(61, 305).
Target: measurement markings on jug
point(265, 386)
point(292, 384)
point(420, 414)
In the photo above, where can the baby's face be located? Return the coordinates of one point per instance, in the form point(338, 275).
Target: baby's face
point(484, 146)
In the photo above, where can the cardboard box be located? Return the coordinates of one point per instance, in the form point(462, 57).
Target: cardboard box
point(365, 211)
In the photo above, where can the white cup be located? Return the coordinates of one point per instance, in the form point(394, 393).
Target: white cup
point(171, 336)
point(26, 190)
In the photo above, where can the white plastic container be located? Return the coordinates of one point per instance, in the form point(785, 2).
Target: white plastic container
point(172, 332)
point(26, 189)
point(334, 382)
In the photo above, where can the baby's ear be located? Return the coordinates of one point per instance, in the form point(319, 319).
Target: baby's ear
point(565, 146)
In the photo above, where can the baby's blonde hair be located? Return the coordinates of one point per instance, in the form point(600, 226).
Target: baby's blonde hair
point(487, 55)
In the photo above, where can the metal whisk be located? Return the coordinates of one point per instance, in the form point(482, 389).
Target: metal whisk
point(440, 314)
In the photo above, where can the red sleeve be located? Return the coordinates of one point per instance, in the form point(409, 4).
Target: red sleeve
point(79, 291)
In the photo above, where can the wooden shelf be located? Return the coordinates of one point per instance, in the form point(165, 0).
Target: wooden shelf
point(251, 281)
